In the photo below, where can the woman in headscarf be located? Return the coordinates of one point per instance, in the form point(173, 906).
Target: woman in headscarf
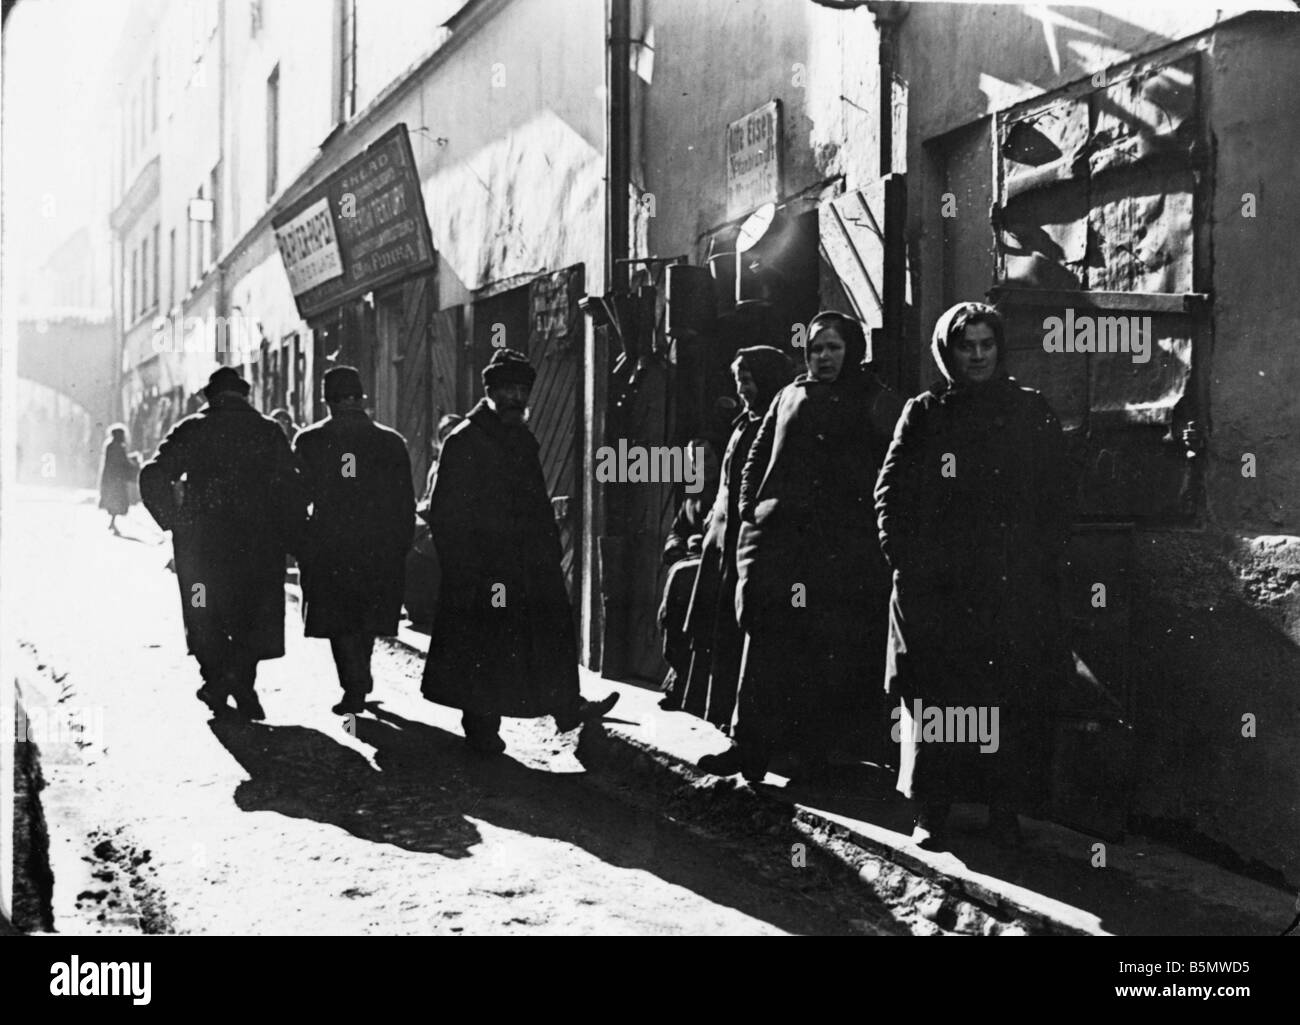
point(973, 514)
point(717, 642)
point(812, 587)
point(115, 473)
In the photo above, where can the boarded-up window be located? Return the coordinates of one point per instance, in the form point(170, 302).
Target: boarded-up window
point(1094, 222)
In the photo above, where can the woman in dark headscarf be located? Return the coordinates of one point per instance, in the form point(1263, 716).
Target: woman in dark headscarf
point(812, 586)
point(717, 641)
point(973, 514)
point(116, 472)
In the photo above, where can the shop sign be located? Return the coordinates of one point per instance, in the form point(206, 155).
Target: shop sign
point(754, 160)
point(361, 228)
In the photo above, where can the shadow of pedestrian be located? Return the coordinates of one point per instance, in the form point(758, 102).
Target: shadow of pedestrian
point(302, 773)
point(564, 806)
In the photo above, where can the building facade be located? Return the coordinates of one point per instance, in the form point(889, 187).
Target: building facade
point(764, 161)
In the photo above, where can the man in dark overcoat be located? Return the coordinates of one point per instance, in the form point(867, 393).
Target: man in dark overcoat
point(358, 479)
point(225, 484)
point(503, 639)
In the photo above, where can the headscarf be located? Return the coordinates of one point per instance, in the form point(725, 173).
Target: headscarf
point(771, 370)
point(855, 344)
point(954, 321)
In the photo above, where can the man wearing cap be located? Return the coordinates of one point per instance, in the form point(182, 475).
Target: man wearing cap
point(358, 479)
point(225, 484)
point(503, 639)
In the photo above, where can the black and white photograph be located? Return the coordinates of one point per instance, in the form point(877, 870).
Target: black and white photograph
point(651, 468)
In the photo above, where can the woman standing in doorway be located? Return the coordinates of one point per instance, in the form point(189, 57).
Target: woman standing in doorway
point(973, 515)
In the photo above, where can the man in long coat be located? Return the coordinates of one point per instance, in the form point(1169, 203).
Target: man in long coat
point(224, 483)
point(503, 639)
point(358, 479)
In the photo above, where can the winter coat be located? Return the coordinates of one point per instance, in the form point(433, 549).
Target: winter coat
point(115, 475)
point(973, 514)
point(812, 586)
point(238, 512)
point(688, 523)
point(717, 641)
point(358, 478)
point(503, 640)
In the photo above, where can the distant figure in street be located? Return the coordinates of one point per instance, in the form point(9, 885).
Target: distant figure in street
point(357, 475)
point(115, 475)
point(503, 642)
point(446, 425)
point(717, 640)
point(285, 419)
point(973, 515)
point(225, 484)
point(812, 589)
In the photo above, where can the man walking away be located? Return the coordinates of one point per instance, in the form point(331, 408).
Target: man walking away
point(503, 641)
point(358, 479)
point(224, 483)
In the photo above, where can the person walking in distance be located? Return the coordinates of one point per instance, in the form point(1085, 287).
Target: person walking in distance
point(115, 472)
point(357, 476)
point(225, 484)
point(285, 419)
point(503, 641)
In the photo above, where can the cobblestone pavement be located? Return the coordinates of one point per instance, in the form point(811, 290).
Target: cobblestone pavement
point(164, 821)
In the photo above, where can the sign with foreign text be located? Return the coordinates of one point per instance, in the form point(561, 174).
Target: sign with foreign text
point(361, 228)
point(553, 311)
point(754, 160)
point(309, 248)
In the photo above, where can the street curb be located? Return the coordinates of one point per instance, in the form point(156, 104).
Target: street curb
point(945, 893)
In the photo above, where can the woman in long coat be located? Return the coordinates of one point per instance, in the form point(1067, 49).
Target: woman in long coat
point(115, 475)
point(812, 587)
point(973, 515)
point(717, 642)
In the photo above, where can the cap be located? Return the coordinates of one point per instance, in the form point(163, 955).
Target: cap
point(343, 383)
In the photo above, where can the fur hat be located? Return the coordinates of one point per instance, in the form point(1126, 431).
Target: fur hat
point(508, 366)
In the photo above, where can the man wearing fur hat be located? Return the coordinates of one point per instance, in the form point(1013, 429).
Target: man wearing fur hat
point(503, 641)
point(225, 484)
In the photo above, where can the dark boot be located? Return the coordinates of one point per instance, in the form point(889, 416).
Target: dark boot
point(931, 828)
point(749, 762)
point(353, 703)
point(242, 683)
point(481, 734)
point(585, 711)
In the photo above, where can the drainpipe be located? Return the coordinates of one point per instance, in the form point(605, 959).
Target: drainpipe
point(610, 570)
point(618, 155)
